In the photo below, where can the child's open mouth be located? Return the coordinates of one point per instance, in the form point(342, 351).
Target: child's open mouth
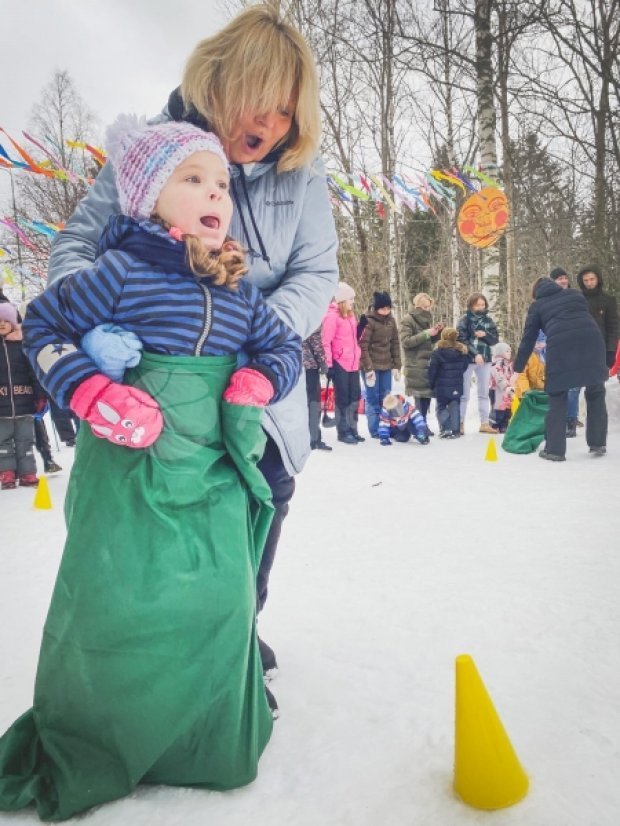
point(210, 221)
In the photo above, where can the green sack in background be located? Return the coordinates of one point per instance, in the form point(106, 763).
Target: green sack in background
point(149, 670)
point(527, 426)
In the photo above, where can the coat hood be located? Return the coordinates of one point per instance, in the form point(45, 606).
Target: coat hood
point(420, 315)
point(447, 344)
point(597, 272)
point(144, 240)
point(547, 288)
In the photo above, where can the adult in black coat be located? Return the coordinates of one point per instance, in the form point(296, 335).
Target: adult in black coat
point(575, 358)
point(603, 308)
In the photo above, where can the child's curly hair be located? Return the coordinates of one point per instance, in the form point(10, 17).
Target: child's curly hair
point(226, 266)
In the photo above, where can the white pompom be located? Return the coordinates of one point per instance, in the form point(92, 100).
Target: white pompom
point(121, 133)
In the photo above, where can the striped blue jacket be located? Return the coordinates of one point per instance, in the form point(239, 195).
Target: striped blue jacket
point(407, 418)
point(141, 282)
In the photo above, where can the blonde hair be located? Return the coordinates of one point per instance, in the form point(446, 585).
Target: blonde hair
point(226, 266)
point(254, 64)
point(345, 312)
point(421, 296)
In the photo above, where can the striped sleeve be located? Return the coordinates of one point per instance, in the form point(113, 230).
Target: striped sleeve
point(57, 319)
point(274, 349)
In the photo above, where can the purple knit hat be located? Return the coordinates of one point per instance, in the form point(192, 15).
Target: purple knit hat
point(8, 312)
point(144, 157)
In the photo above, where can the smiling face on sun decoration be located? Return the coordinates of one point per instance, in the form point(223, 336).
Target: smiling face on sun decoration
point(483, 217)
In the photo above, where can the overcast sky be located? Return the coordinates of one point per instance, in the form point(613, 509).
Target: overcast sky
point(123, 55)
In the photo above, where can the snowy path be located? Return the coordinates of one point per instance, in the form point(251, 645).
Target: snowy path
point(393, 561)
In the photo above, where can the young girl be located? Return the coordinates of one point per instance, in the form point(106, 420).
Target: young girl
point(18, 404)
point(342, 354)
point(533, 375)
point(149, 668)
point(501, 376)
point(527, 426)
point(477, 331)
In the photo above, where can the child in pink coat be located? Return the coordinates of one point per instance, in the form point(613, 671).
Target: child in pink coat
point(342, 354)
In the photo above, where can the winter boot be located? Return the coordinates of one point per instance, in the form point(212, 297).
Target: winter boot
point(571, 428)
point(7, 479)
point(268, 660)
point(552, 457)
point(485, 427)
point(28, 480)
point(273, 704)
point(598, 451)
point(51, 467)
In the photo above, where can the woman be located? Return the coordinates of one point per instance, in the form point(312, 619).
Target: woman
point(477, 331)
point(255, 85)
point(575, 358)
point(418, 334)
point(380, 359)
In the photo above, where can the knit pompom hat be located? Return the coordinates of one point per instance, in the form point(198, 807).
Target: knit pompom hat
point(344, 293)
point(449, 334)
point(143, 158)
point(501, 349)
point(381, 300)
point(8, 312)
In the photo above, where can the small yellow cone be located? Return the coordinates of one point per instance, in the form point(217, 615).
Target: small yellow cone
point(491, 454)
point(514, 405)
point(487, 772)
point(42, 498)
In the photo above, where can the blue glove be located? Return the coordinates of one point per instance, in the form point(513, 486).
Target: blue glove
point(113, 349)
point(385, 442)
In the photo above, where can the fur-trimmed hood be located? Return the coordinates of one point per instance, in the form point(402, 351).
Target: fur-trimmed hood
point(447, 344)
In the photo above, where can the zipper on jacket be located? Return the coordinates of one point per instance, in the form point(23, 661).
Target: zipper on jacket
point(8, 367)
point(208, 318)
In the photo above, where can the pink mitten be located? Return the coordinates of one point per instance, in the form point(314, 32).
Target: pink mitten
point(248, 387)
point(119, 413)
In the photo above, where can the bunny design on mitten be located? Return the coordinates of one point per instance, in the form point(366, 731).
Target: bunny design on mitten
point(122, 414)
point(123, 430)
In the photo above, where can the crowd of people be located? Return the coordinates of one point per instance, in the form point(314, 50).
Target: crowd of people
point(363, 358)
point(216, 215)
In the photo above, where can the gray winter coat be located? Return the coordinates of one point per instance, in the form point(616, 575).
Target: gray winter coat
point(417, 348)
point(294, 217)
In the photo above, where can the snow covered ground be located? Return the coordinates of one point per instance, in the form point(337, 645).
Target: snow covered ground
point(392, 562)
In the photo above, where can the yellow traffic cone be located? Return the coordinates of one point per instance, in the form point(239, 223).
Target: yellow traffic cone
point(491, 454)
point(514, 405)
point(487, 772)
point(42, 498)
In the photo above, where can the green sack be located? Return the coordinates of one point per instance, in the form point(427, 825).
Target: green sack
point(527, 426)
point(149, 670)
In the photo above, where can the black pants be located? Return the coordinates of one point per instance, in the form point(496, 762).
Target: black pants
point(282, 488)
point(502, 420)
point(347, 394)
point(423, 404)
point(596, 420)
point(42, 440)
point(313, 391)
point(65, 422)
